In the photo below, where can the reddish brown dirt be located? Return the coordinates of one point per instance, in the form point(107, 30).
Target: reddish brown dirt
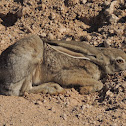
point(80, 20)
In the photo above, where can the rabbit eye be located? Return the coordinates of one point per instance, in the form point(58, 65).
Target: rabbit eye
point(119, 60)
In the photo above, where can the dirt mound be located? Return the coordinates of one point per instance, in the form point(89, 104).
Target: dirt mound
point(99, 23)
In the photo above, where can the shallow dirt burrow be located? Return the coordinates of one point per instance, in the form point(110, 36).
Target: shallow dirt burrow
point(97, 22)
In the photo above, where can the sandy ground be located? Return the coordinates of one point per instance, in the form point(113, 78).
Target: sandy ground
point(97, 22)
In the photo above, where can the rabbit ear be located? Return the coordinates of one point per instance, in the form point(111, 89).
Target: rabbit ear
point(77, 50)
point(69, 52)
point(79, 47)
point(77, 55)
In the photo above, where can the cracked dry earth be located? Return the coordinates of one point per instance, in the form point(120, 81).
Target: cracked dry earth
point(97, 22)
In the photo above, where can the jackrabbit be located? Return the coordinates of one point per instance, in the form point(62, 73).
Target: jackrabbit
point(34, 65)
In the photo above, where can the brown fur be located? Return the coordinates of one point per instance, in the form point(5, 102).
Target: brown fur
point(32, 65)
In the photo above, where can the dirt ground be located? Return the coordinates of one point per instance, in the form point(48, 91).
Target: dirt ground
point(97, 22)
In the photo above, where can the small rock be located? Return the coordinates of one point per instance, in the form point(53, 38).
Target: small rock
point(83, 1)
point(74, 102)
point(77, 115)
point(43, 34)
point(2, 41)
point(50, 36)
point(95, 43)
point(110, 10)
point(64, 116)
point(51, 109)
point(2, 27)
point(62, 29)
point(109, 93)
point(61, 96)
point(69, 39)
point(43, 6)
point(52, 16)
point(111, 31)
point(44, 101)
point(107, 3)
point(113, 19)
point(63, 8)
point(88, 37)
point(71, 2)
point(38, 103)
point(107, 43)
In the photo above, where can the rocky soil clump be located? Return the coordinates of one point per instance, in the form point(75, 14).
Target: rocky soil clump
point(97, 22)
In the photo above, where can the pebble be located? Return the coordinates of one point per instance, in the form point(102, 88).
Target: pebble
point(109, 93)
point(78, 115)
point(2, 27)
point(111, 31)
point(61, 96)
point(2, 41)
point(43, 6)
point(52, 16)
point(113, 19)
point(43, 34)
point(71, 2)
point(107, 43)
point(84, 1)
point(38, 103)
point(52, 109)
point(50, 36)
point(88, 37)
point(68, 38)
point(64, 116)
point(107, 3)
point(62, 29)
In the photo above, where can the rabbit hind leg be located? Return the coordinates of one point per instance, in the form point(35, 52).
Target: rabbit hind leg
point(79, 77)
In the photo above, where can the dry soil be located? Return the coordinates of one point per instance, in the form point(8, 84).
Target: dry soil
point(97, 22)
